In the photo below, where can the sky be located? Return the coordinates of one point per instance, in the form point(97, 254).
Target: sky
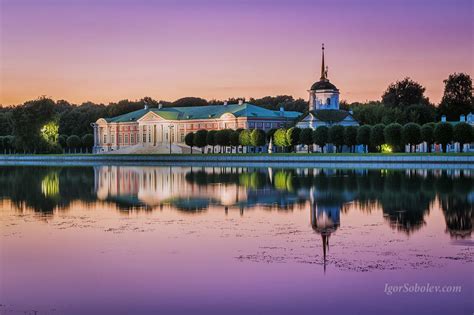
point(108, 50)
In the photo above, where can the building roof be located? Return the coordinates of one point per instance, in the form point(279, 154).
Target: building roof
point(323, 85)
point(205, 112)
point(330, 115)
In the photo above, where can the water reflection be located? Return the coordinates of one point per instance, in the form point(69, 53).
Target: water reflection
point(405, 197)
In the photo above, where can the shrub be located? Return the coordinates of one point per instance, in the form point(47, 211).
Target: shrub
point(88, 141)
point(280, 139)
point(244, 138)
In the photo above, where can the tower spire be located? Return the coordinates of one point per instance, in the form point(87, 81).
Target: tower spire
point(323, 68)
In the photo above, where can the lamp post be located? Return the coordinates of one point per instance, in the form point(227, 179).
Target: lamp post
point(169, 134)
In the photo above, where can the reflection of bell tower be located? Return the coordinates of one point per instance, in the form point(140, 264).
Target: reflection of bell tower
point(325, 219)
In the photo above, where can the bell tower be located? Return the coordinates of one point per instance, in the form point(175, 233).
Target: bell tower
point(323, 94)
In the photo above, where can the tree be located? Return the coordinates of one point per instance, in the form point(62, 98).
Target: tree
point(306, 137)
point(420, 113)
point(189, 140)
point(88, 141)
point(244, 138)
point(443, 134)
point(234, 138)
point(280, 139)
point(427, 134)
point(404, 93)
point(258, 137)
point(200, 139)
point(73, 142)
point(411, 134)
point(321, 136)
point(211, 139)
point(190, 101)
point(462, 133)
point(27, 122)
point(222, 138)
point(62, 141)
point(376, 136)
point(336, 136)
point(293, 137)
point(393, 136)
point(363, 135)
point(350, 137)
point(457, 98)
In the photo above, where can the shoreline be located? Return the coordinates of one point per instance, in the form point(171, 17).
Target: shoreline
point(399, 161)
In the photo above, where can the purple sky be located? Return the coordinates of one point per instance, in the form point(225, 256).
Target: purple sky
point(107, 50)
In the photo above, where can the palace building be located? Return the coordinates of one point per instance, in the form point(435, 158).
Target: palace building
point(152, 130)
point(162, 129)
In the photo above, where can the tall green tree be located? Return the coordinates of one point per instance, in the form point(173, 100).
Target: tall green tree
point(306, 137)
point(336, 136)
point(27, 122)
point(88, 141)
point(457, 98)
point(443, 134)
point(411, 135)
point(404, 93)
point(462, 133)
point(244, 138)
point(321, 136)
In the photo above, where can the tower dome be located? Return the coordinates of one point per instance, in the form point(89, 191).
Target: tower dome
point(323, 94)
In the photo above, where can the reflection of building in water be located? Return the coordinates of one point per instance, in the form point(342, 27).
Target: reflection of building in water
point(190, 189)
point(153, 186)
point(325, 214)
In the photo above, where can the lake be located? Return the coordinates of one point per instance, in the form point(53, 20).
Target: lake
point(235, 240)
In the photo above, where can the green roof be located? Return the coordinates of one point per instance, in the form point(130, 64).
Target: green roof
point(205, 112)
point(330, 115)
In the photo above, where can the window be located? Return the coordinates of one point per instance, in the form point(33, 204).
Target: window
point(105, 138)
point(328, 101)
point(120, 139)
point(268, 125)
point(112, 138)
point(126, 139)
point(144, 137)
point(251, 125)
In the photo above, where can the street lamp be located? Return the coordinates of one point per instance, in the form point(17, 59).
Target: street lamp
point(169, 134)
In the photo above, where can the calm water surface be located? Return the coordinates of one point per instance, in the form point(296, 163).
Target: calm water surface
point(179, 240)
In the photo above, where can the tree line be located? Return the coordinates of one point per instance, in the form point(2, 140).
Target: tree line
point(377, 138)
point(402, 102)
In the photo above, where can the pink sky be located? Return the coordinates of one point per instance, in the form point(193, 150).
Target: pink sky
point(104, 50)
